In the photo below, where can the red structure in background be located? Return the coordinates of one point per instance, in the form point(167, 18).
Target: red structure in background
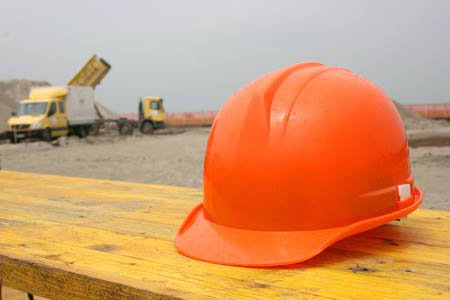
point(129, 116)
point(191, 118)
point(431, 111)
point(182, 118)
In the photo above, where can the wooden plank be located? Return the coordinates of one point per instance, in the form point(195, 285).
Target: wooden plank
point(75, 238)
point(12, 294)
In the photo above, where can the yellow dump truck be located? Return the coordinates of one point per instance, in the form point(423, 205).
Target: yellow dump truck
point(151, 114)
point(52, 112)
point(151, 109)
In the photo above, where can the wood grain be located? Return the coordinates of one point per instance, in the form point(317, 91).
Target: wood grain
point(76, 238)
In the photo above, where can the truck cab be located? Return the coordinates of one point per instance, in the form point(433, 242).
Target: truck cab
point(52, 112)
point(151, 114)
point(43, 116)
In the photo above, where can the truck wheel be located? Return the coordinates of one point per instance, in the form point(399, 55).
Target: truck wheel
point(82, 132)
point(94, 129)
point(47, 135)
point(147, 128)
point(126, 129)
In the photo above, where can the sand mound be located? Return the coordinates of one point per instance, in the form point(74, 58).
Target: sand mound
point(413, 121)
point(104, 112)
point(12, 91)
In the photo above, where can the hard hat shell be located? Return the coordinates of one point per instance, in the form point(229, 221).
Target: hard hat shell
point(297, 160)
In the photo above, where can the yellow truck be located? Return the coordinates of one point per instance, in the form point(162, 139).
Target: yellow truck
point(151, 109)
point(151, 114)
point(52, 112)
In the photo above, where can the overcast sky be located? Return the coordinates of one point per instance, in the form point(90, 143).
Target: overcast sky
point(195, 54)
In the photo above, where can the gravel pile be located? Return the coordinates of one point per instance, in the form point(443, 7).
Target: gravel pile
point(413, 121)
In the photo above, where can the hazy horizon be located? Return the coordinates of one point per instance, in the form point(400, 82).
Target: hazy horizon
point(195, 54)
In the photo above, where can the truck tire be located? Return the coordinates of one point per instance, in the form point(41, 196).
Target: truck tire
point(47, 135)
point(147, 128)
point(82, 132)
point(125, 128)
point(94, 130)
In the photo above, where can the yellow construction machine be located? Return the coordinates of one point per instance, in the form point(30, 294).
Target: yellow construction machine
point(51, 112)
point(151, 114)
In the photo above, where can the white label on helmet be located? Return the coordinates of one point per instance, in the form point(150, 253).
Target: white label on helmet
point(404, 191)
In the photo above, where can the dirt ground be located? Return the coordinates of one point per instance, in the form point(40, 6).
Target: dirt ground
point(177, 159)
point(173, 159)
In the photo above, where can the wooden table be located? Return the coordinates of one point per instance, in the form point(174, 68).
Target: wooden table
point(77, 238)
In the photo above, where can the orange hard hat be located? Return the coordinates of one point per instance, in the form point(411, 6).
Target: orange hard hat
point(297, 160)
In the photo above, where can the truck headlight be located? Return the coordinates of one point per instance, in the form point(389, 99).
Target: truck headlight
point(36, 124)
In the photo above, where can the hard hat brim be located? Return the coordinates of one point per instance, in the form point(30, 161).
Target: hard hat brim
point(201, 239)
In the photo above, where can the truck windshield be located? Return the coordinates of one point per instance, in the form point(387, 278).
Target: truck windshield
point(155, 105)
point(32, 109)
